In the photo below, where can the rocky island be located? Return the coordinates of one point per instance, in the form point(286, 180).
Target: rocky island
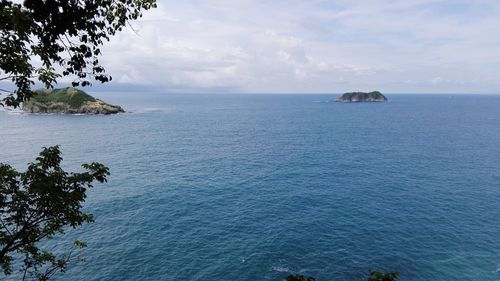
point(375, 96)
point(67, 101)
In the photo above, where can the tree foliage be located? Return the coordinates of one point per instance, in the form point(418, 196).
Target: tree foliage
point(382, 276)
point(62, 34)
point(372, 276)
point(36, 205)
point(299, 277)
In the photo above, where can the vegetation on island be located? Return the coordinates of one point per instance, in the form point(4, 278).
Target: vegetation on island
point(67, 100)
point(70, 96)
point(374, 96)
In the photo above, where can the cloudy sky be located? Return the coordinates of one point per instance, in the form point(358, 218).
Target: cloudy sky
point(314, 46)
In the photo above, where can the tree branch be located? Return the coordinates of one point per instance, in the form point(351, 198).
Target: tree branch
point(7, 77)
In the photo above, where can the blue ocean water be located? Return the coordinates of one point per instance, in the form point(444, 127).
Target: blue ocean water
point(256, 187)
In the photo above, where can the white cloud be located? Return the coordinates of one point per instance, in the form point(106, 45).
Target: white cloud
point(312, 46)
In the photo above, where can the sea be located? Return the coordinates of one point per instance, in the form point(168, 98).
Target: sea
point(258, 187)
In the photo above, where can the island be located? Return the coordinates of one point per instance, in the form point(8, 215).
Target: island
point(375, 96)
point(67, 101)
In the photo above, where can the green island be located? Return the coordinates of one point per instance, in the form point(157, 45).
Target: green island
point(374, 96)
point(67, 101)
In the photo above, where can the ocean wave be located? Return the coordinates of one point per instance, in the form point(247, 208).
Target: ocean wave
point(280, 269)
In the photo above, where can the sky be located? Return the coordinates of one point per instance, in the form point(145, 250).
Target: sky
point(313, 46)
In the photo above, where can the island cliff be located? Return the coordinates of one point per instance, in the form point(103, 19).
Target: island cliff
point(375, 96)
point(67, 101)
